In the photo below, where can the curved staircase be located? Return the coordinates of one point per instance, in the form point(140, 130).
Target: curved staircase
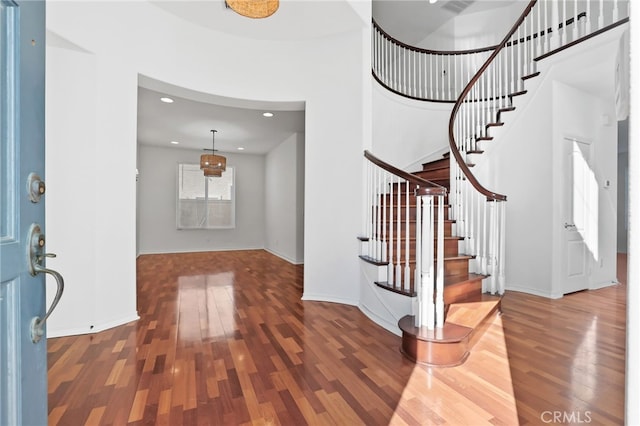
point(458, 279)
point(466, 308)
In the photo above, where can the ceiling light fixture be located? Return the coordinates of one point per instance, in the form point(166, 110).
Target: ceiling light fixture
point(241, 148)
point(432, 1)
point(254, 8)
point(166, 100)
point(212, 164)
point(267, 114)
point(174, 142)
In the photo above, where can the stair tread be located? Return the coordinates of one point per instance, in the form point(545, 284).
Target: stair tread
point(471, 313)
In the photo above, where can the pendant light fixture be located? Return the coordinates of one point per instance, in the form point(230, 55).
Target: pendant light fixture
point(254, 8)
point(212, 164)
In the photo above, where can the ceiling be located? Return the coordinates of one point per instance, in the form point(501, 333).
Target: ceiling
point(189, 119)
point(410, 21)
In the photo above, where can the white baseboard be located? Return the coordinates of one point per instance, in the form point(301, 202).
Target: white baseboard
point(533, 291)
point(144, 252)
point(284, 257)
point(382, 322)
point(328, 298)
point(96, 328)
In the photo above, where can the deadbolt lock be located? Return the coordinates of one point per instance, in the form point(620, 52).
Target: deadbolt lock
point(35, 187)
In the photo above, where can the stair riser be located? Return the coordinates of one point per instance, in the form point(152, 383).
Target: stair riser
point(412, 229)
point(431, 175)
point(403, 197)
point(437, 164)
point(450, 249)
point(451, 267)
point(402, 186)
point(393, 213)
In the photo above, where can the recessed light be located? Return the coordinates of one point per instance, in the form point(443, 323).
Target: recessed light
point(241, 148)
point(267, 114)
point(166, 100)
point(175, 142)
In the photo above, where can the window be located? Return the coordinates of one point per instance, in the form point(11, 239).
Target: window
point(205, 202)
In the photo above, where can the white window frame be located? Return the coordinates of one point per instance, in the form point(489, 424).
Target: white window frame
point(201, 201)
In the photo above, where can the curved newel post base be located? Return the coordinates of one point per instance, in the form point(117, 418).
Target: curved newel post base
point(441, 347)
point(450, 345)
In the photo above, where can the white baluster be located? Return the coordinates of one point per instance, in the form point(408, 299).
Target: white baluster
point(615, 11)
point(514, 63)
point(483, 257)
point(397, 278)
point(601, 16)
point(376, 215)
point(449, 68)
point(389, 63)
point(554, 38)
point(500, 88)
point(493, 238)
point(420, 86)
point(575, 19)
point(502, 260)
point(528, 43)
point(407, 246)
point(538, 8)
point(545, 40)
point(369, 207)
point(587, 29)
point(384, 218)
point(563, 22)
point(417, 277)
point(440, 265)
point(430, 76)
point(389, 223)
point(427, 301)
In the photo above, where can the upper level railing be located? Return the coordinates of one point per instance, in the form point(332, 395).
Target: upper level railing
point(440, 75)
point(430, 75)
point(540, 31)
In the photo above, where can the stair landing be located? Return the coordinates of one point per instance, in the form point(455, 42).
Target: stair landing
point(449, 346)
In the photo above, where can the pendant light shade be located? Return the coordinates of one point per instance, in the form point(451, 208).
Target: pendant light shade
point(254, 8)
point(212, 164)
point(212, 172)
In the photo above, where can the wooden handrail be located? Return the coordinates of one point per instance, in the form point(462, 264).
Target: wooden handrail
point(426, 187)
point(561, 25)
point(491, 196)
point(429, 51)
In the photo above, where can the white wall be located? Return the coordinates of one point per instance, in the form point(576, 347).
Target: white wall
point(517, 163)
point(580, 115)
point(90, 197)
point(284, 203)
point(524, 161)
point(157, 191)
point(474, 30)
point(407, 132)
point(325, 72)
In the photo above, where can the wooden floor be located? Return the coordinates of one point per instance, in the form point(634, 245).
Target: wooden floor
point(223, 338)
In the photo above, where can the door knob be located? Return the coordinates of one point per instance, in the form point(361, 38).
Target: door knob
point(35, 258)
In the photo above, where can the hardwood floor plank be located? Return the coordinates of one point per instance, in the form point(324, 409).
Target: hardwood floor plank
point(224, 338)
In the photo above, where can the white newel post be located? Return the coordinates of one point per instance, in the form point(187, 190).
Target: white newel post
point(426, 315)
point(440, 265)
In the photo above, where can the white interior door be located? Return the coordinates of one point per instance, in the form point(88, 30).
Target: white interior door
point(580, 216)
